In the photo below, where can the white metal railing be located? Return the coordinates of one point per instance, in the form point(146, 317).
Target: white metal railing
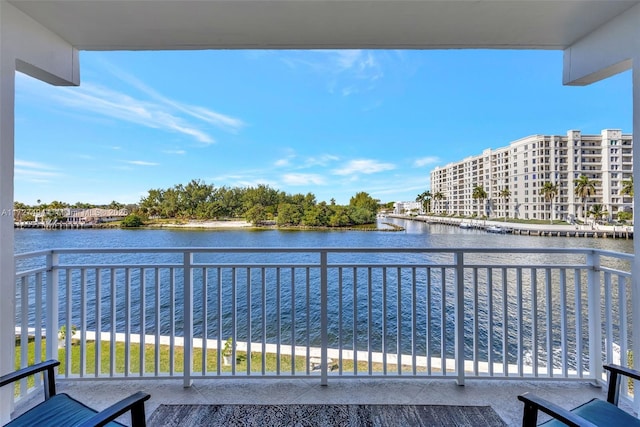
point(350, 312)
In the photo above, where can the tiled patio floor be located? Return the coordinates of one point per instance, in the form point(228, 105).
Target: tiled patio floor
point(501, 395)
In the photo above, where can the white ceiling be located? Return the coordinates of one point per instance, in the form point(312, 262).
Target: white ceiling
point(429, 24)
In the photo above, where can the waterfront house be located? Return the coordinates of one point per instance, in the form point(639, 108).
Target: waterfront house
point(43, 39)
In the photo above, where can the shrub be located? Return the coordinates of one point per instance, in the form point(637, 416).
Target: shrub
point(132, 220)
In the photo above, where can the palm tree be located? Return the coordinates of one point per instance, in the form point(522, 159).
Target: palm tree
point(479, 194)
point(505, 193)
point(550, 191)
point(438, 197)
point(627, 190)
point(597, 211)
point(425, 199)
point(627, 187)
point(584, 188)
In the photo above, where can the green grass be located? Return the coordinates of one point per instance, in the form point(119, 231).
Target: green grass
point(270, 360)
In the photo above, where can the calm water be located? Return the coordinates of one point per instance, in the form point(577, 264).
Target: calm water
point(417, 234)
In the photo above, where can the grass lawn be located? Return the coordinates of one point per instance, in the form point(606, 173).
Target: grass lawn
point(270, 361)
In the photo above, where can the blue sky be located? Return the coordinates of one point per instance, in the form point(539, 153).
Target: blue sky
point(330, 122)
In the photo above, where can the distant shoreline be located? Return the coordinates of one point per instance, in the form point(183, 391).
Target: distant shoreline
point(213, 225)
point(203, 224)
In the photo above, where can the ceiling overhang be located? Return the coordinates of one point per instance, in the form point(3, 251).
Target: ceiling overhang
point(309, 24)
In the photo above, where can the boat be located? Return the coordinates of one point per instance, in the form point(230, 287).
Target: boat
point(495, 229)
point(465, 224)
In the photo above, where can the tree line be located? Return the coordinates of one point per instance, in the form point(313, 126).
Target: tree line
point(200, 201)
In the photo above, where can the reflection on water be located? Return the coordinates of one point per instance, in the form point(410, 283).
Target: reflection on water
point(367, 309)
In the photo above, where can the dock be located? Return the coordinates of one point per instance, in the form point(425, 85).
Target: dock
point(541, 230)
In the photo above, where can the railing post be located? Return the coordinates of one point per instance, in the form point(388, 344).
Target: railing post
point(324, 323)
point(459, 315)
point(595, 318)
point(52, 310)
point(187, 329)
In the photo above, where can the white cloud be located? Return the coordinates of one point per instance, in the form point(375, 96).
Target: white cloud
point(178, 152)
point(32, 165)
point(141, 163)
point(282, 162)
point(303, 179)
point(322, 160)
point(349, 71)
point(156, 111)
point(217, 119)
point(364, 166)
point(425, 161)
point(34, 171)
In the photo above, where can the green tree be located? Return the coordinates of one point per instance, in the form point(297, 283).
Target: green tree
point(505, 193)
point(438, 196)
point(480, 194)
point(131, 221)
point(195, 199)
point(627, 187)
point(623, 216)
point(339, 217)
point(256, 214)
point(151, 205)
point(549, 191)
point(425, 199)
point(627, 190)
point(598, 211)
point(365, 201)
point(584, 188)
point(312, 217)
point(115, 206)
point(289, 214)
point(261, 195)
point(359, 215)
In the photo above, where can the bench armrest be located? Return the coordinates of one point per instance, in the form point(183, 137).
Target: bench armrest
point(133, 403)
point(49, 378)
point(533, 404)
point(616, 372)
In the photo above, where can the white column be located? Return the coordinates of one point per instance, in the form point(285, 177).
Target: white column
point(7, 274)
point(28, 47)
point(635, 271)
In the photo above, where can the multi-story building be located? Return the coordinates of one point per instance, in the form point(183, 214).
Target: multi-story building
point(513, 177)
point(400, 208)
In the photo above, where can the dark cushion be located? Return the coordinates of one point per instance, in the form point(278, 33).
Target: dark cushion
point(600, 413)
point(59, 410)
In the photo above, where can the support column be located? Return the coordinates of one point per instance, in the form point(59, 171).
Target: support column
point(7, 267)
point(30, 48)
point(635, 270)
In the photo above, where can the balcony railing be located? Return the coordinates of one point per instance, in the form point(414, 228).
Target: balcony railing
point(309, 312)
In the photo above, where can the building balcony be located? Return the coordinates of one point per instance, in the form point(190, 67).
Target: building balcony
point(359, 320)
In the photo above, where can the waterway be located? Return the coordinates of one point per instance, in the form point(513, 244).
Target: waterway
point(415, 234)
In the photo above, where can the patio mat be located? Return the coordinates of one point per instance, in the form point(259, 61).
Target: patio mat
point(324, 415)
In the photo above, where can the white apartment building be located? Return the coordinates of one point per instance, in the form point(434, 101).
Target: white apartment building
point(406, 208)
point(513, 177)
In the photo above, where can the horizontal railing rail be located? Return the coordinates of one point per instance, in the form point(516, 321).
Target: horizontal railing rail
point(196, 313)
